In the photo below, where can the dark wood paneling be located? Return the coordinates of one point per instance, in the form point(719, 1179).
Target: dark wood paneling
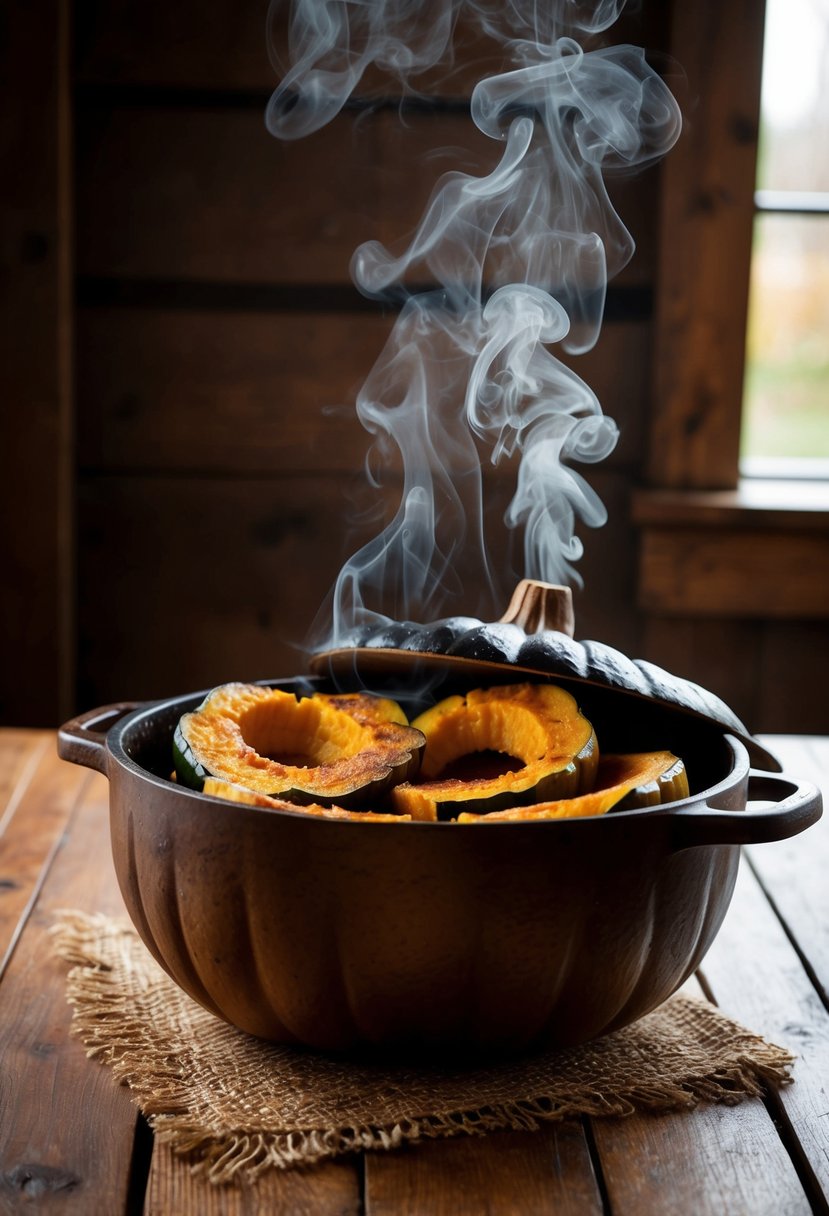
point(153, 43)
point(179, 185)
point(189, 582)
point(207, 194)
point(772, 673)
point(735, 572)
point(224, 392)
point(241, 48)
point(35, 365)
point(263, 392)
point(723, 656)
point(795, 676)
point(223, 45)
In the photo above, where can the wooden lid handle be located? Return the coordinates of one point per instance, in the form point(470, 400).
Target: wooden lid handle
point(537, 606)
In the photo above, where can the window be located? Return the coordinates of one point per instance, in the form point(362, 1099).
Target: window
point(786, 394)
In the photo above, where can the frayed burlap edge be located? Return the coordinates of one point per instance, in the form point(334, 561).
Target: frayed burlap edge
point(111, 1034)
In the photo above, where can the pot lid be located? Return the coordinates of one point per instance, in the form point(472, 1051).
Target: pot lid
point(533, 637)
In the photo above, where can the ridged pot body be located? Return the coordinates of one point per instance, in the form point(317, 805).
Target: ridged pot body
point(422, 936)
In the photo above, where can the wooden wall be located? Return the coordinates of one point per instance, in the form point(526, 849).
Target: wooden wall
point(220, 344)
point(36, 481)
point(217, 344)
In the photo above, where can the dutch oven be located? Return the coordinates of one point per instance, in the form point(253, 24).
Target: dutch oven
point(342, 935)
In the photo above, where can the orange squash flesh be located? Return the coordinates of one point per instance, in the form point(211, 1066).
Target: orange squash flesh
point(624, 781)
point(547, 747)
point(340, 748)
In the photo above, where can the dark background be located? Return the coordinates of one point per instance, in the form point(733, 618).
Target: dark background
point(178, 315)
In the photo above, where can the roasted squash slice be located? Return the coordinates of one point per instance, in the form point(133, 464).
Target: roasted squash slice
point(622, 783)
point(236, 793)
point(347, 749)
point(500, 747)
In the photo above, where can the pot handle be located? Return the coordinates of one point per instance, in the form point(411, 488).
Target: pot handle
point(796, 806)
point(82, 741)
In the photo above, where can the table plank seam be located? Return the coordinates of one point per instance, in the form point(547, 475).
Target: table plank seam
point(799, 1159)
point(43, 874)
point(814, 978)
point(22, 784)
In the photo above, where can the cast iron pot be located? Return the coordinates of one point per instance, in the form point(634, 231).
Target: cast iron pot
point(429, 936)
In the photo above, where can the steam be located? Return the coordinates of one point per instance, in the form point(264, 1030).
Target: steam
point(520, 259)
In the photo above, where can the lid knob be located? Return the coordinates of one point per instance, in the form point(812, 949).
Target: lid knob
point(537, 606)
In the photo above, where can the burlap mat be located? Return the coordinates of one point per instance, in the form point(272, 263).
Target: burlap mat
point(239, 1106)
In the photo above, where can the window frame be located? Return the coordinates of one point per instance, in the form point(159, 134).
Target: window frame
point(711, 546)
point(802, 204)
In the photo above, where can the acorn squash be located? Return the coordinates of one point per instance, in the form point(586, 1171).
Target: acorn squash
point(236, 793)
point(500, 747)
point(622, 783)
point(342, 748)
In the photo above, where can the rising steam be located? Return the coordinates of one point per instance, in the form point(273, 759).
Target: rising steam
point(520, 260)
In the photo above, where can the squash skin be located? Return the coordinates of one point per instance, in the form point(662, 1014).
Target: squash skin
point(539, 724)
point(623, 782)
point(671, 785)
point(351, 747)
point(456, 645)
point(216, 788)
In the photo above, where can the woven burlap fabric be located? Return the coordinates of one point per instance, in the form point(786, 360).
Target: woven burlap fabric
point(239, 1106)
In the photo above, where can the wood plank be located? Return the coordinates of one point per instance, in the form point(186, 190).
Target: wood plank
point(30, 839)
point(153, 43)
point(793, 872)
point(786, 1007)
point(129, 42)
point(329, 1189)
point(219, 392)
point(209, 391)
point(511, 1173)
point(754, 504)
point(20, 751)
point(48, 1155)
point(713, 1161)
point(186, 583)
point(709, 1160)
point(726, 572)
point(771, 673)
point(35, 365)
point(206, 194)
point(201, 194)
point(724, 656)
point(793, 678)
point(704, 250)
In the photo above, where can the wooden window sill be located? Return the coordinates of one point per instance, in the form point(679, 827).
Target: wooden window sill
point(760, 551)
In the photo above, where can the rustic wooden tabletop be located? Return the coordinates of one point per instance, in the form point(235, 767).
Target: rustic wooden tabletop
point(72, 1141)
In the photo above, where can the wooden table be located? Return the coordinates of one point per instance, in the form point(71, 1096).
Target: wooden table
point(71, 1140)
